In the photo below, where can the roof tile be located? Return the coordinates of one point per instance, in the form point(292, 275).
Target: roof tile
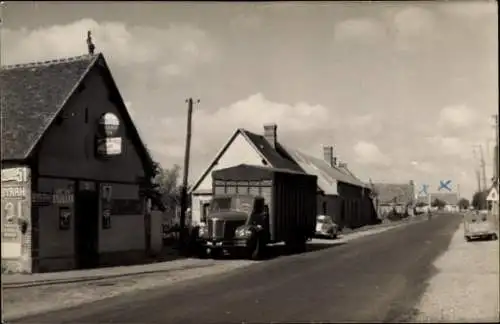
point(31, 96)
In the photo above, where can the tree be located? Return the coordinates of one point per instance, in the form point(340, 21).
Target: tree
point(463, 203)
point(438, 203)
point(479, 200)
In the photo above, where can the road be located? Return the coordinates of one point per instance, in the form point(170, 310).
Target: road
point(377, 278)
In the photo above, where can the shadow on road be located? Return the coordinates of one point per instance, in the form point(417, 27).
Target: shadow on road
point(280, 250)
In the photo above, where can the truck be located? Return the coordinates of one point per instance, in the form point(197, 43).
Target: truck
point(254, 206)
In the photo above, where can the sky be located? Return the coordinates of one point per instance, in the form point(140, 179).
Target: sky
point(402, 90)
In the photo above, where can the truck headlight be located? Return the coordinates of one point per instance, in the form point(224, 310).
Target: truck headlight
point(202, 230)
point(243, 232)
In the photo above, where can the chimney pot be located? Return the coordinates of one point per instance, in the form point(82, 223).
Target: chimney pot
point(328, 155)
point(270, 134)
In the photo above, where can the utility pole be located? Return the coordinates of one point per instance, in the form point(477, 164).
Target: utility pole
point(496, 165)
point(184, 197)
point(476, 170)
point(483, 167)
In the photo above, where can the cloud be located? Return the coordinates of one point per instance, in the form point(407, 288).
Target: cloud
point(177, 49)
point(369, 153)
point(445, 145)
point(211, 127)
point(413, 26)
point(471, 9)
point(246, 21)
point(423, 167)
point(359, 29)
point(459, 116)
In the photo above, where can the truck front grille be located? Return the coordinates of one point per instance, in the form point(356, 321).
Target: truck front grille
point(216, 229)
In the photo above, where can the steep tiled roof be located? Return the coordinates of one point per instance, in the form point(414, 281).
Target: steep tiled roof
point(31, 96)
point(388, 193)
point(286, 158)
point(327, 176)
point(277, 157)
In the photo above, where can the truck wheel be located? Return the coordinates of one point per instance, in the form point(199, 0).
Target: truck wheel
point(494, 237)
point(201, 252)
point(301, 245)
point(467, 238)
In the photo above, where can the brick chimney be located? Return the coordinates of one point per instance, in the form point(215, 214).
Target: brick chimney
point(328, 155)
point(270, 134)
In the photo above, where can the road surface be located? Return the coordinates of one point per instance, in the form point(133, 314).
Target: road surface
point(374, 278)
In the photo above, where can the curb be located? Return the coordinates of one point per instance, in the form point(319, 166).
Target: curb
point(95, 278)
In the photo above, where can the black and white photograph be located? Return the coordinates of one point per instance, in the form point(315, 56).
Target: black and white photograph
point(250, 162)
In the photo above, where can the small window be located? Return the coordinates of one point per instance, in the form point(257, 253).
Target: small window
point(324, 208)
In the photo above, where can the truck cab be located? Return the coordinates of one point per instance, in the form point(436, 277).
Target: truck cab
point(235, 222)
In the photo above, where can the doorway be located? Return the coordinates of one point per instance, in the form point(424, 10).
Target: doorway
point(86, 229)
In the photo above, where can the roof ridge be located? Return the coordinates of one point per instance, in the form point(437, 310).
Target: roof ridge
point(48, 62)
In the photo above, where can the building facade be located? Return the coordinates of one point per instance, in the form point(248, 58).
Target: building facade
point(74, 169)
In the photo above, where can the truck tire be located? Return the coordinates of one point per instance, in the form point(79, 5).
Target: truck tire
point(216, 253)
point(297, 244)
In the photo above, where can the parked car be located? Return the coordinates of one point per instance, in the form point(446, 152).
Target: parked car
point(478, 225)
point(326, 227)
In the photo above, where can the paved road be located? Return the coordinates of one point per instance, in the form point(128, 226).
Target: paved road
point(375, 278)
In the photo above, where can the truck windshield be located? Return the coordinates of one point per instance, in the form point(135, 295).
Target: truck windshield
point(223, 204)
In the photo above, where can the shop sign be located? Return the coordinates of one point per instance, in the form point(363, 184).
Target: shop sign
point(14, 192)
point(19, 175)
point(58, 197)
point(109, 146)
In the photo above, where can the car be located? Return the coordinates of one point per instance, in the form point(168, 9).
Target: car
point(326, 227)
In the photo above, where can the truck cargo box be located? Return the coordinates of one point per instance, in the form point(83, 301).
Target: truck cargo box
point(290, 195)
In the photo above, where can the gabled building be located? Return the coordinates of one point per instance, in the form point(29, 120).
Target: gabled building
point(450, 199)
point(340, 194)
point(73, 168)
point(398, 197)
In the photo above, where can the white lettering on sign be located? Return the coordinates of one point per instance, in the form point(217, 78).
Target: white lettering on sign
point(14, 192)
point(62, 197)
point(110, 123)
point(109, 146)
point(15, 175)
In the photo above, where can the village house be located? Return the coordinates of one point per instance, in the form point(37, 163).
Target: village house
point(398, 197)
point(74, 169)
point(340, 194)
point(450, 200)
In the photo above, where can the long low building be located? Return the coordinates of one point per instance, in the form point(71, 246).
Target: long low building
point(340, 194)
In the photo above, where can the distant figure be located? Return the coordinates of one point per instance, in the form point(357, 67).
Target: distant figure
point(90, 45)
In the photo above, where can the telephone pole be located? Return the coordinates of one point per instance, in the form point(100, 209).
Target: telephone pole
point(184, 197)
point(476, 170)
point(496, 165)
point(483, 168)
